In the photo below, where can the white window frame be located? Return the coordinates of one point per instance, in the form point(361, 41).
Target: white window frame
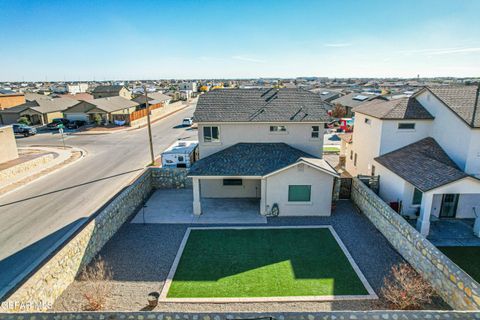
point(211, 138)
point(315, 131)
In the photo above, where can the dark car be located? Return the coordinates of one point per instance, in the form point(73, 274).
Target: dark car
point(23, 129)
point(57, 122)
point(75, 124)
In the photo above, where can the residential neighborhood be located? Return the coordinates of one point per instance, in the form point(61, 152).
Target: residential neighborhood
point(194, 161)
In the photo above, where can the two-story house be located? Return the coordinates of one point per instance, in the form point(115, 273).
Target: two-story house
point(426, 150)
point(265, 144)
point(111, 91)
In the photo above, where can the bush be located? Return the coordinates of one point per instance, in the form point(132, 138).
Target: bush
point(24, 120)
point(98, 276)
point(98, 119)
point(405, 289)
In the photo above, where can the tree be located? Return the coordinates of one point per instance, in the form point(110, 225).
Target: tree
point(24, 120)
point(203, 89)
point(339, 111)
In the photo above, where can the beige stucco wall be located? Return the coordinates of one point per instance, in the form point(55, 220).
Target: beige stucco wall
point(214, 188)
point(8, 150)
point(321, 192)
point(54, 115)
point(298, 135)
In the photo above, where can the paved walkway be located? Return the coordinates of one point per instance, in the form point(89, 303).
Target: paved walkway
point(175, 206)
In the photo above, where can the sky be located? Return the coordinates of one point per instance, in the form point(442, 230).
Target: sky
point(190, 39)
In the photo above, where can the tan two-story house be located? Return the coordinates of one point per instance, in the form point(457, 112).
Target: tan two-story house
point(264, 144)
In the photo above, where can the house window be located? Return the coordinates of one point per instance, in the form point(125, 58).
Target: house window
point(351, 154)
point(406, 126)
point(232, 182)
point(315, 132)
point(278, 129)
point(211, 134)
point(368, 121)
point(417, 197)
point(299, 193)
point(373, 170)
point(355, 160)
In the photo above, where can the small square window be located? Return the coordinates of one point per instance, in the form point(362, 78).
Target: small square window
point(299, 193)
point(406, 126)
point(368, 121)
point(315, 132)
point(211, 134)
point(278, 129)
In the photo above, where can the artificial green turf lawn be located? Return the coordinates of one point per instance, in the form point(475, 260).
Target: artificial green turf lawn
point(467, 258)
point(332, 149)
point(239, 263)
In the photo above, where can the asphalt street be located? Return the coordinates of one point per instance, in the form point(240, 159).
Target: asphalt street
point(37, 217)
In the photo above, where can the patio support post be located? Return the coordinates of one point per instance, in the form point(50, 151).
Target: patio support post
point(423, 222)
point(263, 196)
point(197, 206)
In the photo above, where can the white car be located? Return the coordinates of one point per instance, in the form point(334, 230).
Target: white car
point(187, 122)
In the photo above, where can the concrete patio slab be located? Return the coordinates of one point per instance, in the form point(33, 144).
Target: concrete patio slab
point(173, 206)
point(453, 233)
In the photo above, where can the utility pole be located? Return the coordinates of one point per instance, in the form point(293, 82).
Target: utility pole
point(152, 156)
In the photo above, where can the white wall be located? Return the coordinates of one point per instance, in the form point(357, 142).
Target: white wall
point(392, 138)
point(214, 188)
point(392, 187)
point(321, 191)
point(460, 142)
point(298, 135)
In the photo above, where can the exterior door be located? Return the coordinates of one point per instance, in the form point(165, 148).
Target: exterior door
point(449, 206)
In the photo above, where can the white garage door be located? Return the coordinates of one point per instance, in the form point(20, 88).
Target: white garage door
point(76, 116)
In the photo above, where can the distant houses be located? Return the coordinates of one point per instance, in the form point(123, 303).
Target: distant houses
point(111, 91)
point(353, 100)
point(9, 98)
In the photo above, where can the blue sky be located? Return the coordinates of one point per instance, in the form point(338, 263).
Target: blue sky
point(83, 39)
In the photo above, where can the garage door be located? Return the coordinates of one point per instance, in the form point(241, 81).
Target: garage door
point(76, 116)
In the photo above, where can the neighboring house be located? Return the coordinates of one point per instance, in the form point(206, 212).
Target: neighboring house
point(78, 96)
point(77, 88)
point(9, 98)
point(153, 98)
point(426, 150)
point(8, 151)
point(191, 86)
point(353, 100)
point(327, 94)
point(265, 144)
point(109, 109)
point(38, 112)
point(111, 91)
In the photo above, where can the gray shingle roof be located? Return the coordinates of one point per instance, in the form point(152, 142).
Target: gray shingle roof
point(43, 105)
point(248, 159)
point(260, 105)
point(403, 108)
point(463, 100)
point(423, 163)
point(112, 104)
point(153, 97)
point(108, 89)
point(349, 101)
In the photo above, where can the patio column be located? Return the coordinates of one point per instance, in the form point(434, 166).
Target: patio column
point(197, 206)
point(423, 222)
point(263, 196)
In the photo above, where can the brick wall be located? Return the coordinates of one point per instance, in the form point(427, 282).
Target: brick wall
point(456, 287)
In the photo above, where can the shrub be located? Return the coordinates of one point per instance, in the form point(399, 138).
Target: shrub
point(405, 289)
point(24, 120)
point(98, 276)
point(98, 119)
point(339, 111)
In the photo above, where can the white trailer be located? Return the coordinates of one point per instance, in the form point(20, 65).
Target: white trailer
point(181, 154)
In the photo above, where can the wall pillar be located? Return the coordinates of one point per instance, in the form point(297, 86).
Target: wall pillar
point(423, 222)
point(197, 206)
point(263, 196)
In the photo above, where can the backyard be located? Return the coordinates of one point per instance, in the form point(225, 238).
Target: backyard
point(259, 262)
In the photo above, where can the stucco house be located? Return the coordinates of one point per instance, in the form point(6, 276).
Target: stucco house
point(426, 150)
point(111, 91)
point(109, 109)
point(265, 144)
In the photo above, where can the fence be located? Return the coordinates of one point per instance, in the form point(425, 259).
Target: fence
point(143, 112)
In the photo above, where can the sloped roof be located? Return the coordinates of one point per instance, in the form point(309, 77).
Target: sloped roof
point(424, 164)
point(154, 97)
point(248, 159)
point(260, 105)
point(403, 108)
point(463, 100)
point(350, 101)
point(108, 89)
point(43, 105)
point(111, 104)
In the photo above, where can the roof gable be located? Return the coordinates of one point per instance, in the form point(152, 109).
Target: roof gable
point(261, 105)
point(397, 109)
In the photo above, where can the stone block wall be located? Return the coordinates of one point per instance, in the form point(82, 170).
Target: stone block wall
point(170, 178)
point(49, 281)
point(24, 167)
point(456, 287)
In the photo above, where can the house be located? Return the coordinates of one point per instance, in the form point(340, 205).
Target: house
point(426, 150)
point(9, 98)
point(109, 110)
point(190, 86)
point(153, 99)
point(327, 94)
point(265, 144)
point(353, 100)
point(8, 151)
point(38, 112)
point(111, 91)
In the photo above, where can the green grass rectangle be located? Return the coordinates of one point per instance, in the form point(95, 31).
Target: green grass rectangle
point(277, 262)
point(467, 258)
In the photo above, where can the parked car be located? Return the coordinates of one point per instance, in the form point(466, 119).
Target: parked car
point(187, 122)
point(75, 124)
point(56, 122)
point(20, 128)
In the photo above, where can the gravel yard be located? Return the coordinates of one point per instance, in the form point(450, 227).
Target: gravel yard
point(140, 257)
